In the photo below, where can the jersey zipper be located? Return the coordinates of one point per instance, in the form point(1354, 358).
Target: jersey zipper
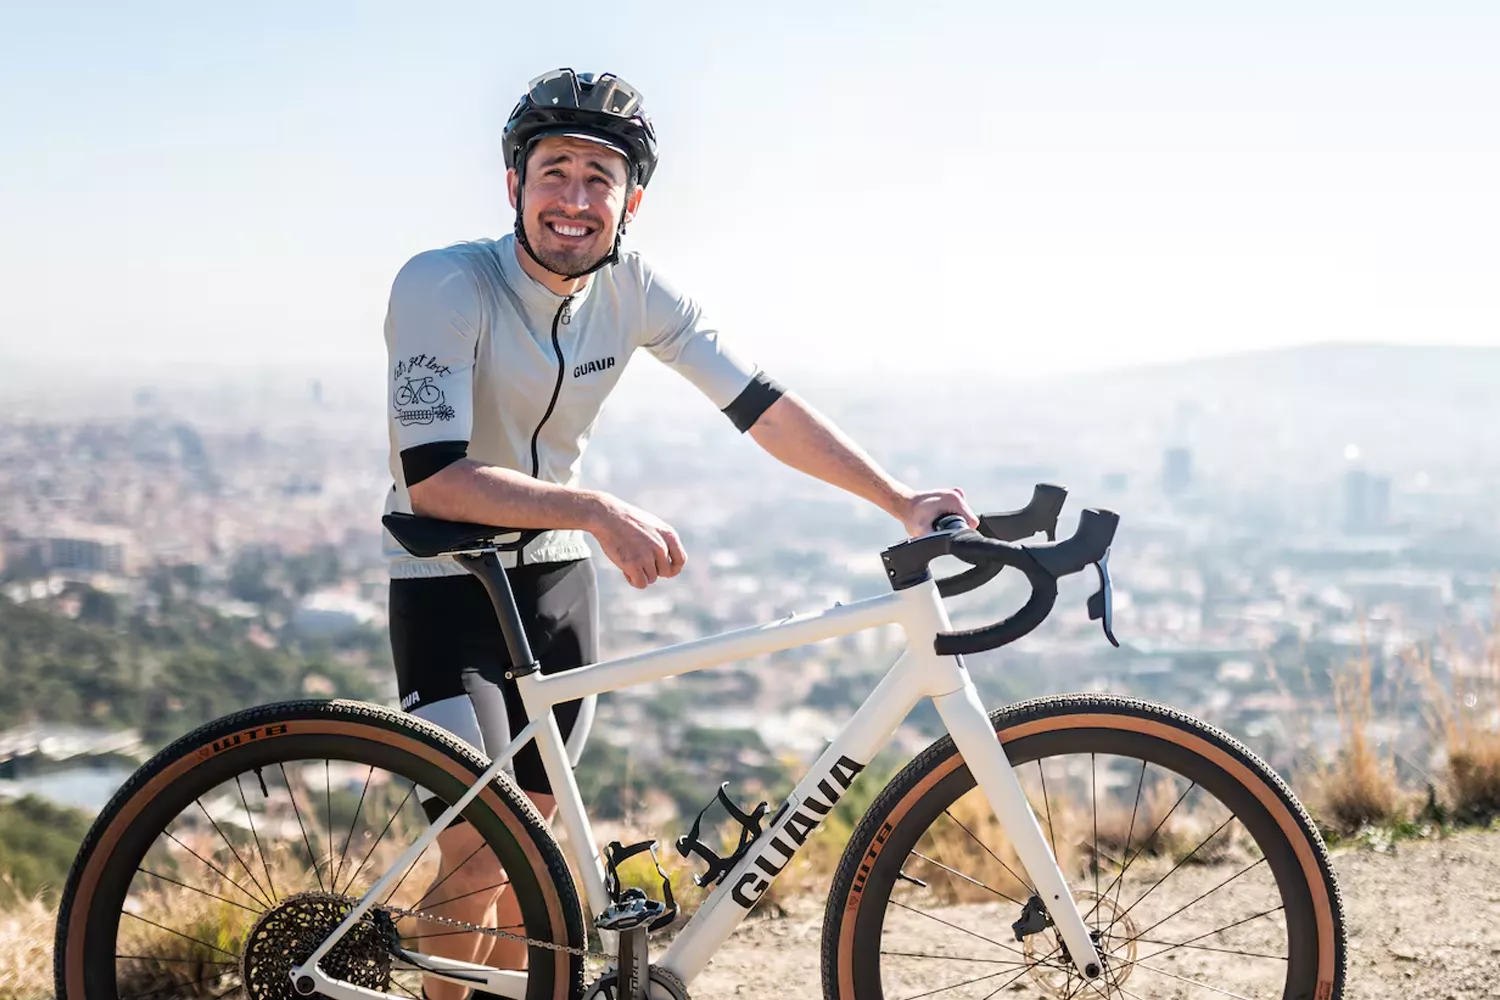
point(563, 317)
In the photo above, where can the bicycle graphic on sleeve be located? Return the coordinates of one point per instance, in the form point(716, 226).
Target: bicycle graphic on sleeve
point(419, 401)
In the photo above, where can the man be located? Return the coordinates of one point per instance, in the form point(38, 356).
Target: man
point(502, 353)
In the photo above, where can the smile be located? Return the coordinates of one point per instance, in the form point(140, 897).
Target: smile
point(565, 229)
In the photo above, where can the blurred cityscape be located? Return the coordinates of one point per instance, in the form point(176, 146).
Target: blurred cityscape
point(1283, 515)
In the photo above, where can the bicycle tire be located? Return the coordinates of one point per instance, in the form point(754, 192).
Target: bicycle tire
point(871, 865)
point(89, 915)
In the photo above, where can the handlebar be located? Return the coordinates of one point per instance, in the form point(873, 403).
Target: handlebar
point(993, 547)
point(1043, 564)
point(1038, 516)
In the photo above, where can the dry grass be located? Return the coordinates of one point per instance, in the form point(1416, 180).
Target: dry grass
point(26, 948)
point(1464, 714)
point(1358, 789)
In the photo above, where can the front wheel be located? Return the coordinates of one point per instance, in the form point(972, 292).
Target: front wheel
point(1196, 870)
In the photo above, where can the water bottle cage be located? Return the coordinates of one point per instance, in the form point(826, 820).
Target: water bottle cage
point(631, 907)
point(689, 844)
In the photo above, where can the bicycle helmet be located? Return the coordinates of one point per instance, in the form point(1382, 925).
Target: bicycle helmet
point(600, 108)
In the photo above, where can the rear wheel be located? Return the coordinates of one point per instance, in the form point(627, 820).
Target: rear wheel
point(1196, 870)
point(230, 855)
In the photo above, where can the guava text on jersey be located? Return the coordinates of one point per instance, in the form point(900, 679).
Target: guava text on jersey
point(589, 367)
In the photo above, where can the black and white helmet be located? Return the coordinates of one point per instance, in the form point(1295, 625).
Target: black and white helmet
point(602, 108)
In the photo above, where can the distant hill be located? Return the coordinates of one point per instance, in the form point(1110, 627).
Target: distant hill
point(161, 672)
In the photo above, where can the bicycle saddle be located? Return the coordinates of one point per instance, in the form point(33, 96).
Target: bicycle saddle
point(425, 537)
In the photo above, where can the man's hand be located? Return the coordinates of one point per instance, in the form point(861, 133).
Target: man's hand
point(922, 509)
point(642, 545)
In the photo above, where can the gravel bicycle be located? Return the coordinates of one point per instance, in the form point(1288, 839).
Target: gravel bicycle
point(1070, 846)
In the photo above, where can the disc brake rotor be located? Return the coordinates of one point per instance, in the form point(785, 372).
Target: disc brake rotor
point(1115, 941)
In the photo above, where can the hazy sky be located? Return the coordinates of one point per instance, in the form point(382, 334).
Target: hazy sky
point(1026, 187)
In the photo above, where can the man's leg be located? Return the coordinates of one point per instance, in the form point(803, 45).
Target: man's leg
point(467, 885)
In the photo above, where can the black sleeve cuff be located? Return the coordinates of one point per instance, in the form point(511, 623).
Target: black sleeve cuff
point(426, 460)
point(754, 400)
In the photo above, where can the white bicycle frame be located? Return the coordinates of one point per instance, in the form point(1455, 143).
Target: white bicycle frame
point(919, 673)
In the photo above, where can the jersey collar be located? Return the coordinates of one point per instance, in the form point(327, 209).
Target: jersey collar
point(533, 293)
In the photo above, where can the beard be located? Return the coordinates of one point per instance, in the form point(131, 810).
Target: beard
point(571, 259)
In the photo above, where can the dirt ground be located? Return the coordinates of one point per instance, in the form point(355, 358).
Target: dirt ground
point(1423, 923)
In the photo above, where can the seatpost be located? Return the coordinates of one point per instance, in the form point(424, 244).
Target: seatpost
point(486, 566)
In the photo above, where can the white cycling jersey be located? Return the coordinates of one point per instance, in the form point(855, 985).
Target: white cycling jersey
point(488, 363)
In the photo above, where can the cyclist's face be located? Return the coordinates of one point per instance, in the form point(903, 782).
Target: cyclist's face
point(575, 199)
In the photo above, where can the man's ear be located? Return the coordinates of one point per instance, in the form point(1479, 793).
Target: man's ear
point(513, 186)
point(633, 202)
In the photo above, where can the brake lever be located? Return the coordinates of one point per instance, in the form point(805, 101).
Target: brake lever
point(1101, 604)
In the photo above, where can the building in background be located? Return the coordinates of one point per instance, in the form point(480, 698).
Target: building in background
point(1176, 471)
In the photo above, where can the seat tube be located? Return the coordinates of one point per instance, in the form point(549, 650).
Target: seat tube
point(975, 738)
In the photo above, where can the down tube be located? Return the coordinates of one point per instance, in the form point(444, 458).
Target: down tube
point(797, 819)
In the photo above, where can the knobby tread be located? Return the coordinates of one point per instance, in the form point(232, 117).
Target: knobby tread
point(943, 749)
point(340, 710)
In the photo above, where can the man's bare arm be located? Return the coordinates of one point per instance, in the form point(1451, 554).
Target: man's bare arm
point(793, 432)
point(642, 545)
point(487, 494)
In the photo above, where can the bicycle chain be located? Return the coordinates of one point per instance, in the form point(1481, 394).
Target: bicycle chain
point(494, 932)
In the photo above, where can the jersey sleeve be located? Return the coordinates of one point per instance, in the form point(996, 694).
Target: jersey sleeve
point(680, 336)
point(431, 334)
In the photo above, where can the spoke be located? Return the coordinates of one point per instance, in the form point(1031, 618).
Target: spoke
point(1094, 985)
point(227, 844)
point(473, 892)
point(1210, 892)
point(1200, 985)
point(1007, 984)
point(298, 813)
point(1094, 794)
point(1047, 803)
point(966, 982)
point(1140, 786)
point(953, 958)
point(174, 986)
point(434, 887)
point(1186, 858)
point(154, 958)
point(394, 813)
point(1120, 876)
point(328, 800)
point(259, 848)
point(1203, 947)
point(222, 874)
point(990, 852)
point(153, 923)
point(396, 983)
point(923, 913)
point(350, 835)
point(1200, 937)
point(967, 878)
point(194, 888)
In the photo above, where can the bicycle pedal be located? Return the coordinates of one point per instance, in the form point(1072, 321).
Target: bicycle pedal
point(631, 908)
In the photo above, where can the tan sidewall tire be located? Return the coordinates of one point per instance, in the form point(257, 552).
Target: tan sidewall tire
point(511, 814)
point(1045, 716)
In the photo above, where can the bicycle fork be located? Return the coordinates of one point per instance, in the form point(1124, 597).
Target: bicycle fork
point(974, 736)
